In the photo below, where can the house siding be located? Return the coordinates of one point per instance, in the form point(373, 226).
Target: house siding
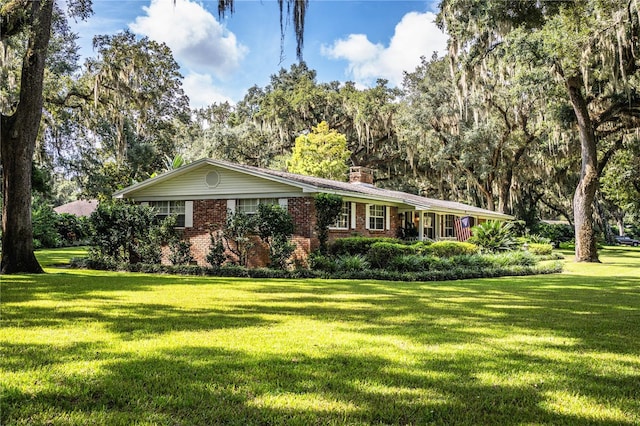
point(230, 182)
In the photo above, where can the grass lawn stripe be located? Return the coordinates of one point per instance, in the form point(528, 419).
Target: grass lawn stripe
point(93, 347)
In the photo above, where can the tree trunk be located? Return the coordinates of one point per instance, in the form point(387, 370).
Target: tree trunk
point(17, 144)
point(586, 250)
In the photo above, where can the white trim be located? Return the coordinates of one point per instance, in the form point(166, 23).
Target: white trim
point(231, 205)
point(284, 203)
point(353, 215)
point(188, 214)
point(367, 216)
point(387, 212)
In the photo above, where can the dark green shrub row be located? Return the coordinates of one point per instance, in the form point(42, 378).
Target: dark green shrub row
point(455, 273)
point(411, 263)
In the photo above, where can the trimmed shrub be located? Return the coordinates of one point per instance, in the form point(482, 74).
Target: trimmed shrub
point(381, 253)
point(512, 258)
point(540, 249)
point(356, 245)
point(410, 263)
point(450, 248)
point(180, 252)
point(328, 208)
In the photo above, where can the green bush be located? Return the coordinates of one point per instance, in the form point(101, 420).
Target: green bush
point(410, 263)
point(450, 248)
point(215, 256)
point(557, 233)
point(180, 252)
point(44, 221)
point(275, 227)
point(381, 253)
point(512, 258)
point(328, 208)
point(540, 249)
point(356, 245)
point(356, 262)
point(320, 262)
point(493, 236)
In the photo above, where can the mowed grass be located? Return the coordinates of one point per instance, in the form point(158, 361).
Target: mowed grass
point(89, 347)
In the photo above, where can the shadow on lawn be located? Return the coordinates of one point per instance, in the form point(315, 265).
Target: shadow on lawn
point(195, 385)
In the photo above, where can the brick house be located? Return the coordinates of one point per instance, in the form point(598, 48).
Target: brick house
point(201, 194)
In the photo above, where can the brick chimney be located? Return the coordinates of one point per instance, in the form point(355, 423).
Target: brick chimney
point(361, 175)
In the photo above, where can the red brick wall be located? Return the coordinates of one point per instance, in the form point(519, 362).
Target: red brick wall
point(210, 215)
point(361, 230)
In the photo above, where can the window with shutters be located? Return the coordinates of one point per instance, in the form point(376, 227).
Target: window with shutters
point(250, 205)
point(169, 208)
point(342, 222)
point(376, 217)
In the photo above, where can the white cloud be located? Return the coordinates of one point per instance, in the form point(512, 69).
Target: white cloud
point(197, 40)
point(415, 35)
point(201, 90)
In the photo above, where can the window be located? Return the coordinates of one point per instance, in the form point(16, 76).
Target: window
point(343, 219)
point(449, 221)
point(170, 208)
point(376, 217)
point(250, 205)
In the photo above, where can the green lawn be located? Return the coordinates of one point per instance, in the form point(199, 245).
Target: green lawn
point(87, 347)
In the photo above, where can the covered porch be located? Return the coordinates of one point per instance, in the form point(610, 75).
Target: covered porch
point(429, 225)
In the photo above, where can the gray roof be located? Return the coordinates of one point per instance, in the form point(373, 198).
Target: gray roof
point(315, 184)
point(78, 208)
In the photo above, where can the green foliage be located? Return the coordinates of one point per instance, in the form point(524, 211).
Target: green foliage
point(493, 236)
point(450, 248)
point(540, 249)
point(122, 232)
point(352, 263)
point(238, 232)
point(322, 153)
point(381, 253)
point(328, 207)
point(356, 245)
point(216, 256)
point(71, 228)
point(556, 233)
point(180, 252)
point(44, 220)
point(320, 262)
point(275, 227)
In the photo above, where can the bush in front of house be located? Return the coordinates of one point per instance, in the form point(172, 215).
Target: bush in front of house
point(380, 253)
point(450, 248)
point(356, 245)
point(328, 208)
point(275, 227)
point(493, 236)
point(215, 256)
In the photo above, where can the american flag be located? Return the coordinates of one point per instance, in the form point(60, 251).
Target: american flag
point(463, 228)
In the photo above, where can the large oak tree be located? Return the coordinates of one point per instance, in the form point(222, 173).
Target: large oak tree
point(19, 128)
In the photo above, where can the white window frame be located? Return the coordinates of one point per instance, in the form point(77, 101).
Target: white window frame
point(343, 221)
point(180, 208)
point(377, 217)
point(255, 202)
point(449, 231)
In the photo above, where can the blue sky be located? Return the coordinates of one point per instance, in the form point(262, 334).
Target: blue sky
point(220, 59)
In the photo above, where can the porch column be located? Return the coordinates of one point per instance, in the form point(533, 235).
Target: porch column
point(420, 225)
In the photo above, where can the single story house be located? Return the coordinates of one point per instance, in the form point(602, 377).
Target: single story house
point(202, 192)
